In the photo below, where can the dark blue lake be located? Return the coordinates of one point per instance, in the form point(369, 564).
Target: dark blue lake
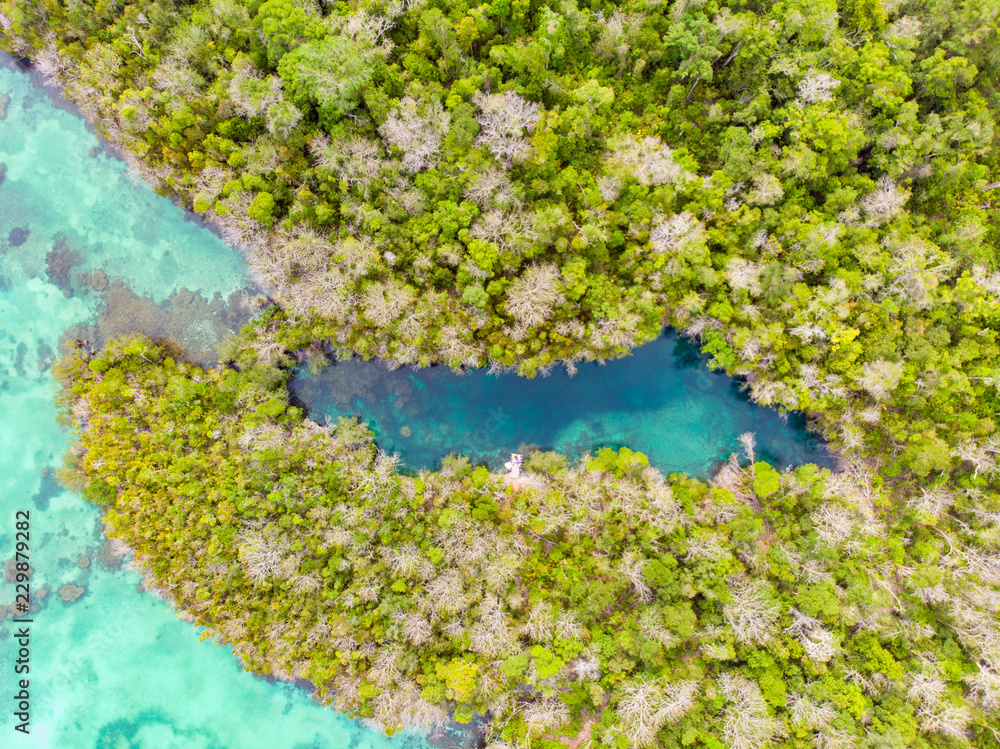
point(662, 400)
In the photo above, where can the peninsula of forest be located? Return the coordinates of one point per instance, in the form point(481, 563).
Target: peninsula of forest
point(807, 189)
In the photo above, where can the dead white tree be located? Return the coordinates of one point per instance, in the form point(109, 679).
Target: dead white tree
point(649, 160)
point(818, 642)
point(751, 613)
point(403, 707)
point(806, 712)
point(744, 274)
point(631, 567)
point(985, 685)
point(356, 160)
point(982, 456)
point(587, 667)
point(417, 129)
point(816, 87)
point(906, 28)
point(568, 626)
point(748, 441)
point(52, 66)
point(491, 634)
point(915, 270)
point(260, 555)
point(932, 503)
point(503, 119)
point(250, 92)
point(539, 625)
point(415, 628)
point(545, 715)
point(646, 705)
point(532, 296)
point(766, 190)
point(652, 627)
point(835, 524)
point(177, 78)
point(880, 377)
point(385, 302)
point(491, 188)
point(509, 230)
point(680, 233)
point(884, 202)
point(447, 593)
point(747, 722)
point(403, 560)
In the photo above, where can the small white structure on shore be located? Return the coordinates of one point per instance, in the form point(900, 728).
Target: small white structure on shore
point(513, 466)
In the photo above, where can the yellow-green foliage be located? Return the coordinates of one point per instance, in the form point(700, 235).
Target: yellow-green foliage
point(792, 606)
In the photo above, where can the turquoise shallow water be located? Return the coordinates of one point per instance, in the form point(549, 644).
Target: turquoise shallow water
point(662, 400)
point(115, 668)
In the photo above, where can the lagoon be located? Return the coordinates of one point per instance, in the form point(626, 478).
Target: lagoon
point(662, 401)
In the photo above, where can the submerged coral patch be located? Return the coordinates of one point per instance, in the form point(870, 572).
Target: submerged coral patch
point(71, 592)
point(10, 570)
point(18, 236)
point(98, 280)
point(107, 557)
point(186, 319)
point(48, 489)
point(60, 262)
point(152, 728)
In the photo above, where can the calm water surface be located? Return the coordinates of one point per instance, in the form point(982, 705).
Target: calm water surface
point(661, 400)
point(115, 668)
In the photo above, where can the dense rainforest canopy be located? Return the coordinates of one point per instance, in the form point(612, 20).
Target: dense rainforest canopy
point(808, 188)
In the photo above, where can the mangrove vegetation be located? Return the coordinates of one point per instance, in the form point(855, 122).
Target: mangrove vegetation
point(806, 188)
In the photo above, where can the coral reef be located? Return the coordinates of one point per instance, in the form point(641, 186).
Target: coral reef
point(107, 557)
point(187, 319)
point(10, 570)
point(48, 488)
point(71, 592)
point(18, 236)
point(98, 280)
point(45, 356)
point(59, 264)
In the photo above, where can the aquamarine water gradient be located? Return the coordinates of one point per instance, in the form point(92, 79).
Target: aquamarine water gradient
point(116, 668)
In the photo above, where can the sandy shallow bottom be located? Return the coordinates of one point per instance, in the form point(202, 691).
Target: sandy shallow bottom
point(115, 668)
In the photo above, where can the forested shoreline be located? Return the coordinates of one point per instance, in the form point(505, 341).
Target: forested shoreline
point(802, 189)
point(808, 189)
point(598, 602)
